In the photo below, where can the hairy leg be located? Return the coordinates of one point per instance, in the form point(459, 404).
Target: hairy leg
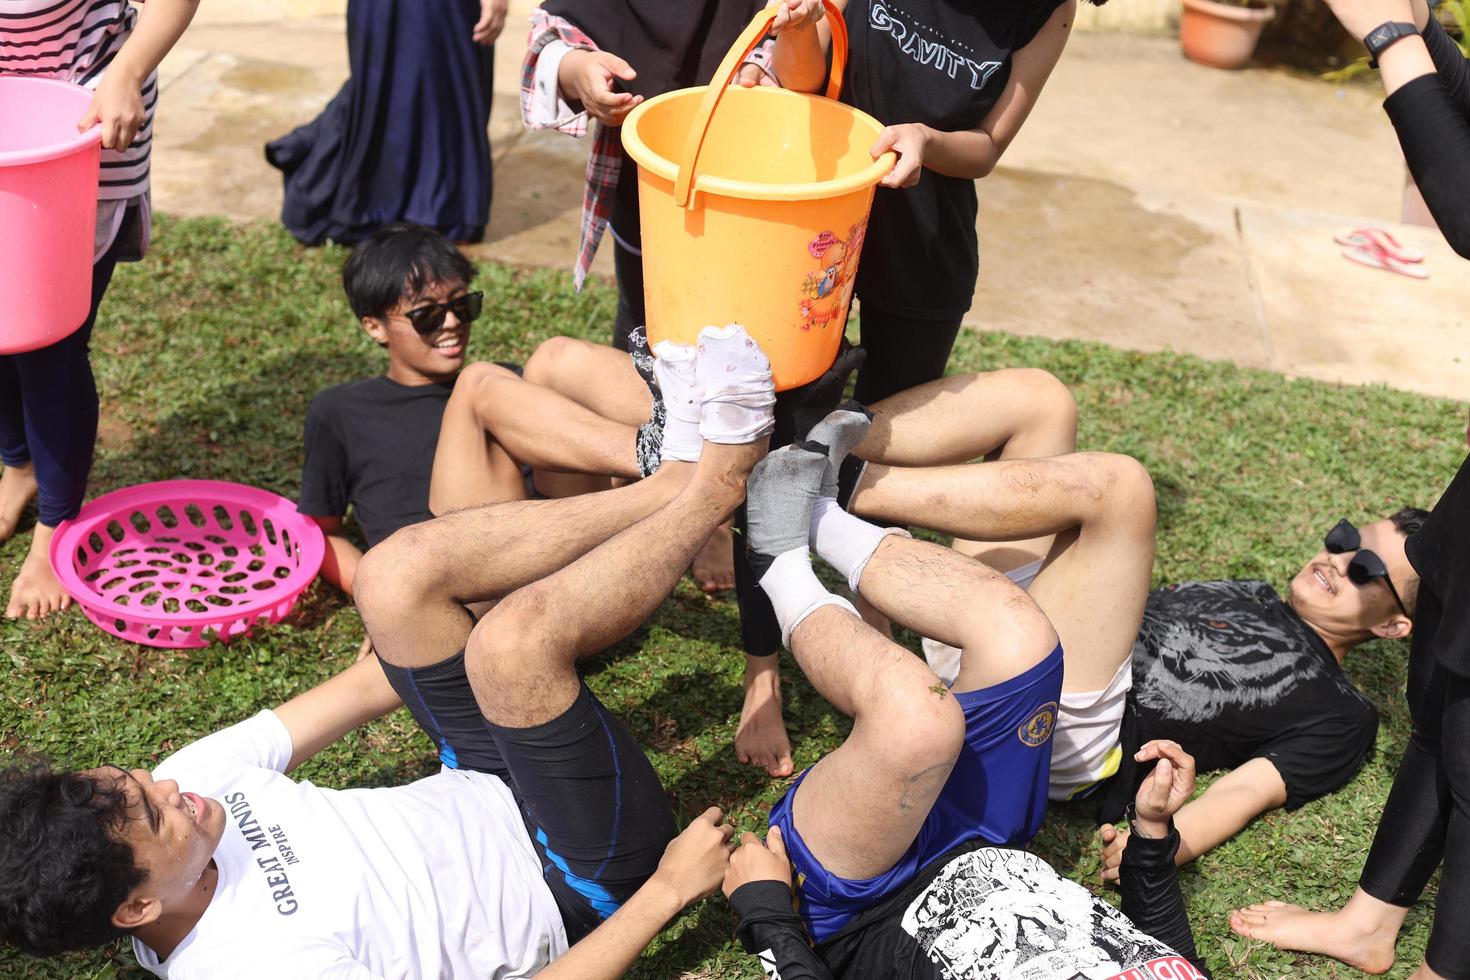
point(602, 379)
point(521, 659)
point(1013, 413)
point(1100, 507)
point(862, 805)
point(941, 594)
point(413, 587)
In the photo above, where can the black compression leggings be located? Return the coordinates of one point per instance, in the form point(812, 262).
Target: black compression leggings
point(903, 351)
point(1427, 817)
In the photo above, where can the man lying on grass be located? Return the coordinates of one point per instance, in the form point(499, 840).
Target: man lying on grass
point(546, 836)
point(1249, 682)
point(891, 837)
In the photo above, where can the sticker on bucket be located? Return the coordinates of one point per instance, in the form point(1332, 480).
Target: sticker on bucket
point(827, 291)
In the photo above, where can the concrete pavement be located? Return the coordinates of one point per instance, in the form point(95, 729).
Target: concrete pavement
point(1149, 202)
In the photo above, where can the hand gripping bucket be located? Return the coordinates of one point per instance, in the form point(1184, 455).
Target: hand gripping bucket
point(48, 210)
point(755, 213)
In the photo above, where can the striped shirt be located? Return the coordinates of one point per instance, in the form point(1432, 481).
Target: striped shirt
point(75, 40)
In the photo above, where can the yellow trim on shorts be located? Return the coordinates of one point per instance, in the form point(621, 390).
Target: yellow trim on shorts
point(1112, 762)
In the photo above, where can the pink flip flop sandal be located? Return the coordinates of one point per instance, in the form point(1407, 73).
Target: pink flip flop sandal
point(1381, 260)
point(1376, 239)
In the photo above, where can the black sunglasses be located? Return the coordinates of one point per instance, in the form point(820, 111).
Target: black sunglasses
point(1365, 566)
point(426, 320)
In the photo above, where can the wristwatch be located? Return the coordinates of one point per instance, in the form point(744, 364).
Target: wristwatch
point(1384, 35)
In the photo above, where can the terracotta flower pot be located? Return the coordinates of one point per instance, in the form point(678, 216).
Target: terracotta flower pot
point(1221, 35)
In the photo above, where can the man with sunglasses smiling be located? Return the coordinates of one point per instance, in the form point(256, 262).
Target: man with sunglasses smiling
point(1249, 682)
point(371, 444)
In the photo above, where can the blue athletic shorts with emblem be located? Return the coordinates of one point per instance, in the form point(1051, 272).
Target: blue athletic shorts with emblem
point(996, 793)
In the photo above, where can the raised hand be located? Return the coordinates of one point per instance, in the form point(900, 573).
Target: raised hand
point(1166, 789)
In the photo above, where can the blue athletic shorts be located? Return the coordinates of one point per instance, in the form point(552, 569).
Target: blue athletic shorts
point(996, 793)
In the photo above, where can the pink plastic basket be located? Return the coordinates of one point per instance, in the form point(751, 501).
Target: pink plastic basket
point(178, 563)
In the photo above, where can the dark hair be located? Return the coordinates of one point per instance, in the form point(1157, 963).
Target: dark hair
point(1406, 522)
point(1409, 519)
point(400, 260)
point(64, 868)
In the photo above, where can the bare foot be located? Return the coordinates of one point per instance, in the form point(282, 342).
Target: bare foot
point(1341, 935)
point(714, 566)
point(35, 593)
point(17, 488)
point(761, 738)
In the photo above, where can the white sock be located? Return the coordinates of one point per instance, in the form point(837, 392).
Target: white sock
point(845, 542)
point(673, 366)
point(796, 592)
point(736, 391)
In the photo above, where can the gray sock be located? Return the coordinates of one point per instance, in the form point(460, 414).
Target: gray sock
point(840, 431)
point(779, 497)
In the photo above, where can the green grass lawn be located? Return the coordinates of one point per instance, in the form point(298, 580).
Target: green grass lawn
point(207, 353)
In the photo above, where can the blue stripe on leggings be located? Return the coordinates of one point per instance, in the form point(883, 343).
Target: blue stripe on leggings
point(597, 896)
point(446, 751)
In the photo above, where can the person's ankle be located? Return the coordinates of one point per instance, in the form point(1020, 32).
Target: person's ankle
point(1369, 916)
point(763, 673)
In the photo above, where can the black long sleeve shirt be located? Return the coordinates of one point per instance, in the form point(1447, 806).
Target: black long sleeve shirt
point(1432, 117)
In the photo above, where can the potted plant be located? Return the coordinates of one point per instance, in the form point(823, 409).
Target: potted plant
point(1222, 33)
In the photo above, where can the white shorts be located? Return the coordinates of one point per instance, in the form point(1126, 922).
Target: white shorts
point(1085, 747)
point(1084, 744)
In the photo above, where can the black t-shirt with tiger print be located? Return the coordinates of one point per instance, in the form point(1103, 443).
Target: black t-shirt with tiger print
point(1231, 673)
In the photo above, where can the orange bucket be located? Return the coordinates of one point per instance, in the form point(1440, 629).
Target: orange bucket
point(755, 214)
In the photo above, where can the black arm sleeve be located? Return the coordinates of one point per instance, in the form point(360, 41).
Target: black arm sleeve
point(1454, 69)
point(1151, 895)
point(1435, 136)
point(771, 930)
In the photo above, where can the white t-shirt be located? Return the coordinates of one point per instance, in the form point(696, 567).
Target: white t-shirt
point(434, 879)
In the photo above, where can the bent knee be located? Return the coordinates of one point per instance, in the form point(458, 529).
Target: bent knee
point(554, 361)
point(1048, 403)
point(929, 728)
point(500, 646)
point(1131, 490)
point(1115, 484)
point(389, 584)
point(473, 375)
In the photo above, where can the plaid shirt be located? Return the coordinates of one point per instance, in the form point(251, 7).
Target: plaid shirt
point(606, 161)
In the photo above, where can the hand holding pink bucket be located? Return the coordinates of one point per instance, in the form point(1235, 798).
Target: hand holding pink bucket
point(48, 210)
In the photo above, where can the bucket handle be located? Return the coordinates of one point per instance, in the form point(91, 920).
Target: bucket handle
point(725, 74)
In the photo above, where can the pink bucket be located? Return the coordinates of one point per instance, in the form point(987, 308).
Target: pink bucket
point(48, 211)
